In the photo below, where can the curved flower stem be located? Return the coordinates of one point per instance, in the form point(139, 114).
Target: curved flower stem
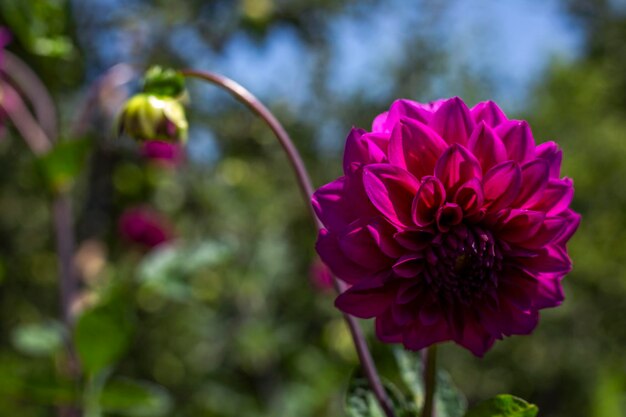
point(306, 187)
point(40, 141)
point(430, 380)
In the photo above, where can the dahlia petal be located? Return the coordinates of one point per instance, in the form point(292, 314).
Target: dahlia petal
point(518, 140)
point(403, 108)
point(447, 216)
point(501, 185)
point(380, 122)
point(409, 291)
point(359, 246)
point(391, 190)
point(455, 167)
point(520, 225)
point(330, 206)
point(545, 289)
point(409, 266)
point(430, 196)
point(453, 121)
point(475, 338)
point(360, 150)
point(552, 259)
point(382, 233)
point(573, 221)
point(387, 330)
point(366, 299)
point(414, 240)
point(551, 152)
point(328, 248)
point(404, 314)
point(517, 321)
point(415, 147)
point(550, 230)
point(430, 314)
point(488, 112)
point(556, 198)
point(380, 139)
point(534, 180)
point(487, 147)
point(420, 336)
point(470, 197)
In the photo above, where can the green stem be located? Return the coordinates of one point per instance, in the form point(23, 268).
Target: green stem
point(430, 380)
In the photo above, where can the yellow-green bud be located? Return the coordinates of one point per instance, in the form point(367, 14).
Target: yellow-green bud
point(150, 117)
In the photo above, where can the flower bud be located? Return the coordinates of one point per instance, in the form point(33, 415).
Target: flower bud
point(164, 82)
point(149, 117)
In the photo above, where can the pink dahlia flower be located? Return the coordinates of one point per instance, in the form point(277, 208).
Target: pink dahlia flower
point(448, 224)
point(145, 227)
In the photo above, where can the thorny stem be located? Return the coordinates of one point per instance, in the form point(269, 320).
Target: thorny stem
point(430, 380)
point(304, 182)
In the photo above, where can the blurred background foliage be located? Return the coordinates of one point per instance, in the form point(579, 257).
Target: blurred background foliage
point(224, 321)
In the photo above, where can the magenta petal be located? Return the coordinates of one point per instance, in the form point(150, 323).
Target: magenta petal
point(415, 147)
point(382, 233)
point(387, 330)
point(470, 197)
point(553, 155)
point(552, 259)
point(430, 196)
point(327, 247)
point(455, 167)
point(487, 147)
point(409, 266)
point(329, 205)
point(391, 190)
point(360, 150)
point(366, 299)
point(548, 233)
point(450, 214)
point(556, 198)
point(573, 221)
point(403, 108)
point(546, 290)
point(488, 112)
point(517, 321)
point(453, 121)
point(357, 244)
point(520, 225)
point(475, 338)
point(420, 336)
point(534, 181)
point(380, 122)
point(501, 185)
point(414, 240)
point(518, 140)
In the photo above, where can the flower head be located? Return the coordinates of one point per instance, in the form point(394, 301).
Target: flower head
point(449, 224)
point(145, 227)
point(148, 117)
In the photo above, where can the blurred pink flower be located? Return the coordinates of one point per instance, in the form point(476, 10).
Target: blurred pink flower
point(321, 276)
point(167, 154)
point(145, 227)
point(449, 224)
point(5, 38)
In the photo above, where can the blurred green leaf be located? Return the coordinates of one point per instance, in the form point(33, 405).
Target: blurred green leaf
point(503, 405)
point(40, 25)
point(102, 336)
point(449, 401)
point(38, 339)
point(167, 269)
point(135, 398)
point(64, 163)
point(361, 402)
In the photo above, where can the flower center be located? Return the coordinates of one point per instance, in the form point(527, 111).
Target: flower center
point(464, 265)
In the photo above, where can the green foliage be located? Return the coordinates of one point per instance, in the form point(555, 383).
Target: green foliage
point(503, 405)
point(132, 398)
point(38, 339)
point(103, 335)
point(164, 82)
point(62, 165)
point(361, 402)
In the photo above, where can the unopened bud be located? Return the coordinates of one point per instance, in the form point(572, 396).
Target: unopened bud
point(150, 117)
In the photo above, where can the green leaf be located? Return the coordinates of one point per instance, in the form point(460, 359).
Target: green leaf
point(449, 401)
point(503, 405)
point(360, 401)
point(38, 339)
point(135, 398)
point(102, 336)
point(64, 163)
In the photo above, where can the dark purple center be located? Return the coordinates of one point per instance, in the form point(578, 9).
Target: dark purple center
point(464, 264)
